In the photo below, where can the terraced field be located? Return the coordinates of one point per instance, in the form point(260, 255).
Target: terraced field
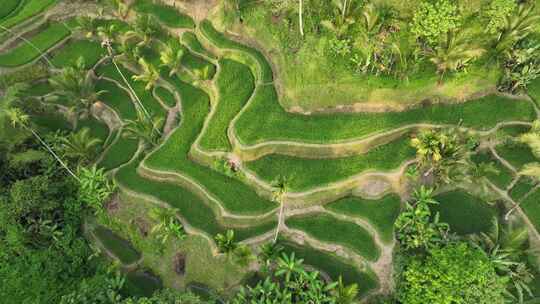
point(230, 141)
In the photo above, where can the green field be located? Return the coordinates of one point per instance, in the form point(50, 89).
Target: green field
point(168, 15)
point(277, 124)
point(22, 13)
point(380, 213)
point(44, 40)
point(235, 85)
point(302, 174)
point(9, 7)
point(328, 229)
point(503, 177)
point(333, 266)
point(464, 213)
point(119, 153)
point(68, 55)
point(172, 156)
point(531, 207)
point(516, 154)
point(117, 246)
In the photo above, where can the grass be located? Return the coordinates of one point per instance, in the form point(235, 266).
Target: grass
point(501, 179)
point(91, 51)
point(201, 264)
point(30, 9)
point(464, 213)
point(516, 154)
point(173, 156)
point(522, 187)
point(314, 79)
point(221, 41)
point(119, 153)
point(51, 122)
point(44, 40)
point(38, 89)
point(168, 15)
point(8, 7)
point(152, 105)
point(302, 174)
point(534, 90)
point(191, 41)
point(118, 99)
point(333, 266)
point(531, 207)
point(166, 96)
point(235, 85)
point(195, 63)
point(117, 246)
point(328, 229)
point(277, 124)
point(141, 284)
point(380, 213)
point(97, 128)
point(190, 206)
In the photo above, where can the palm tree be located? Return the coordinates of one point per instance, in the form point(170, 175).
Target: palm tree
point(517, 26)
point(289, 266)
point(243, 255)
point(478, 175)
point(171, 56)
point(78, 86)
point(145, 28)
point(19, 119)
point(300, 16)
point(80, 146)
point(108, 36)
point(95, 187)
point(454, 54)
point(144, 129)
point(150, 75)
point(86, 25)
point(226, 243)
point(505, 245)
point(168, 224)
point(280, 188)
point(122, 8)
point(345, 294)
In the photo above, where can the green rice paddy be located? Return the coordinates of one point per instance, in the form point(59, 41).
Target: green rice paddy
point(380, 213)
point(464, 213)
point(328, 229)
point(42, 41)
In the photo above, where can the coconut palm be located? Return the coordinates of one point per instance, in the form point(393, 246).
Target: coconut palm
point(86, 25)
point(94, 187)
point(226, 243)
point(243, 255)
point(280, 188)
point(122, 8)
point(517, 26)
point(171, 56)
point(454, 54)
point(80, 146)
point(168, 225)
point(150, 74)
point(478, 175)
point(19, 119)
point(78, 86)
point(143, 129)
point(345, 294)
point(108, 34)
point(289, 266)
point(145, 28)
point(505, 245)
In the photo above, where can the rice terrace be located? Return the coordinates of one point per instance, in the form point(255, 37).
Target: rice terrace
point(270, 151)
